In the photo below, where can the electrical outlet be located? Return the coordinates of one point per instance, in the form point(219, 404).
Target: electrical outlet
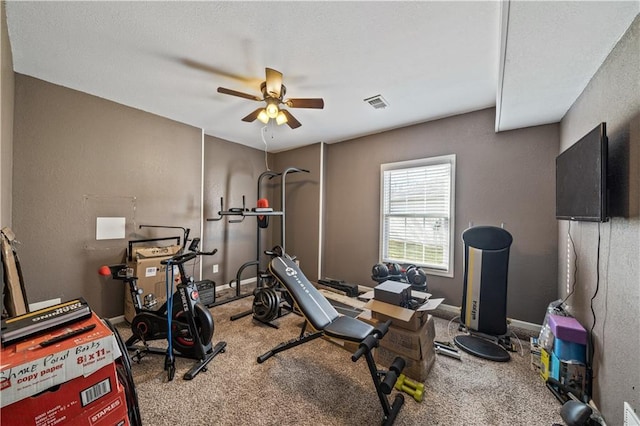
point(215, 268)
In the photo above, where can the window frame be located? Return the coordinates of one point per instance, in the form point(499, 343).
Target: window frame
point(422, 162)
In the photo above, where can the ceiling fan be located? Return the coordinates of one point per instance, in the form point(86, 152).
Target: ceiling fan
point(273, 92)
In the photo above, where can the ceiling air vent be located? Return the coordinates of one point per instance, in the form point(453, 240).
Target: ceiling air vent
point(377, 101)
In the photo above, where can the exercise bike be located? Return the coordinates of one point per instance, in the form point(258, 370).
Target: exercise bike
point(188, 329)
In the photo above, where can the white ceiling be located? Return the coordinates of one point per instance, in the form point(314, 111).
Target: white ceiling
point(429, 60)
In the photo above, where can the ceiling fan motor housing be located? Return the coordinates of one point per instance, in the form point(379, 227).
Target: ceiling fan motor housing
point(263, 89)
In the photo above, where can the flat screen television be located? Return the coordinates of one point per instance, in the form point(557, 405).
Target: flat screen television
point(581, 178)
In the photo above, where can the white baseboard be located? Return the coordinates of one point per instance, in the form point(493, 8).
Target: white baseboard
point(117, 320)
point(44, 304)
point(529, 326)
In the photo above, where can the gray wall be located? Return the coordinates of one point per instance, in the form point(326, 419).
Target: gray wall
point(6, 121)
point(77, 156)
point(302, 199)
point(500, 178)
point(612, 96)
point(230, 171)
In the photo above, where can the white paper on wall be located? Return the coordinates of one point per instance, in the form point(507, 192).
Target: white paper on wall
point(110, 228)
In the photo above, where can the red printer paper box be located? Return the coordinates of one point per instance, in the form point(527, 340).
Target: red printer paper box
point(98, 399)
point(32, 366)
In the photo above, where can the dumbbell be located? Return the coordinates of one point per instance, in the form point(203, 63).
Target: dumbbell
point(379, 272)
point(416, 277)
point(415, 389)
point(395, 271)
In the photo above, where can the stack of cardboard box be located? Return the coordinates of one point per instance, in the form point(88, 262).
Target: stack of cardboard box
point(410, 336)
point(412, 331)
point(72, 381)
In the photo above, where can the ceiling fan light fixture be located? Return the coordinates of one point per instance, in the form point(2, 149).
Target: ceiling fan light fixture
point(273, 92)
point(263, 116)
point(281, 118)
point(272, 110)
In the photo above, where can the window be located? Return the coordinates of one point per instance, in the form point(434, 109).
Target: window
point(417, 212)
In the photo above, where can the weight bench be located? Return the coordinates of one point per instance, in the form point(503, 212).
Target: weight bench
point(322, 317)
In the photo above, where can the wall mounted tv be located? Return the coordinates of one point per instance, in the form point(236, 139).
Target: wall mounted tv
point(581, 178)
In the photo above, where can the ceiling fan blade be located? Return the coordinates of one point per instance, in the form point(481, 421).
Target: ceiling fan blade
point(305, 103)
point(274, 82)
point(291, 120)
point(252, 117)
point(201, 66)
point(238, 94)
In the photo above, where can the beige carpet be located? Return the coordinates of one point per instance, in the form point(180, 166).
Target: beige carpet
point(318, 384)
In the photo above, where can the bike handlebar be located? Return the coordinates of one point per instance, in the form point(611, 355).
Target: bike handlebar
point(185, 257)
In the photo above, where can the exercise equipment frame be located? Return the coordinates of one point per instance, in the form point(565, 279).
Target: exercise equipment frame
point(244, 212)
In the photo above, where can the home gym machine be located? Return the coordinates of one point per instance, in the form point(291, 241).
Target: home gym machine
point(270, 302)
point(187, 325)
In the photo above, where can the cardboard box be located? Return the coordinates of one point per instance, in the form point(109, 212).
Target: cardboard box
point(344, 344)
point(83, 400)
point(27, 368)
point(417, 370)
point(415, 345)
point(113, 411)
point(367, 316)
point(147, 252)
point(407, 343)
point(402, 317)
point(151, 273)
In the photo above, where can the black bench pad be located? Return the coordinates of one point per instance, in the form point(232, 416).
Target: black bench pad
point(314, 306)
point(348, 328)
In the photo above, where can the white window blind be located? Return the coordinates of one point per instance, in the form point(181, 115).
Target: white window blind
point(417, 213)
